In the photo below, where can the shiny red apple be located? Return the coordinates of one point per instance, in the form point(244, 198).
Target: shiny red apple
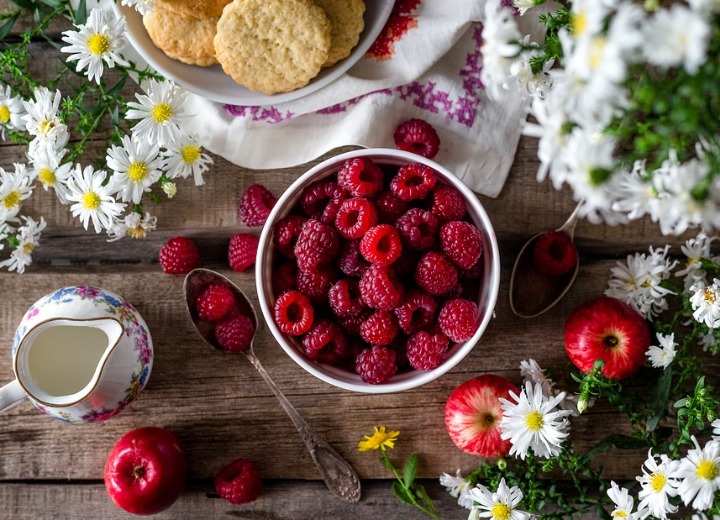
point(146, 471)
point(608, 329)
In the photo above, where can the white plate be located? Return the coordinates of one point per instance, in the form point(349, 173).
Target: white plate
point(212, 83)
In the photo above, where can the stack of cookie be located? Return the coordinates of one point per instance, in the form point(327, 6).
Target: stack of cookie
point(268, 46)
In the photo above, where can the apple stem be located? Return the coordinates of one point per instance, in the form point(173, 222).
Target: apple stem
point(139, 472)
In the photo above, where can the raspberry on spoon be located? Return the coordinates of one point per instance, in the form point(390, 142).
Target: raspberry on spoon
point(554, 253)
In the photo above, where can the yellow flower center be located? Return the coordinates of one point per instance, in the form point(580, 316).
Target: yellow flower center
point(28, 248)
point(501, 512)
point(534, 421)
point(4, 114)
point(710, 295)
point(12, 199)
point(657, 482)
point(621, 513)
point(46, 126)
point(98, 44)
point(91, 200)
point(596, 50)
point(707, 469)
point(161, 112)
point(137, 171)
point(190, 153)
point(578, 23)
point(46, 176)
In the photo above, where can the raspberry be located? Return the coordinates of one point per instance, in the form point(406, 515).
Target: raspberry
point(215, 302)
point(466, 275)
point(344, 298)
point(239, 482)
point(376, 365)
point(360, 177)
point(389, 207)
point(286, 233)
point(316, 197)
point(379, 329)
point(351, 324)
point(325, 336)
point(255, 205)
point(317, 244)
point(283, 277)
point(448, 203)
point(315, 284)
point(413, 181)
point(418, 228)
point(554, 253)
point(417, 136)
point(242, 251)
point(435, 274)
point(416, 312)
point(381, 245)
point(350, 261)
point(355, 217)
point(235, 332)
point(293, 313)
point(380, 288)
point(427, 350)
point(459, 319)
point(179, 255)
point(461, 242)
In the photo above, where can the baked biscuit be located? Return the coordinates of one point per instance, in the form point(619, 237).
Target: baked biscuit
point(275, 46)
point(189, 40)
point(346, 17)
point(195, 8)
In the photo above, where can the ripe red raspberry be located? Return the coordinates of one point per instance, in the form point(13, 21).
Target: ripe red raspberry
point(435, 274)
point(317, 245)
point(325, 336)
point(235, 332)
point(418, 228)
point(360, 177)
point(286, 233)
point(179, 255)
point(461, 242)
point(318, 195)
point(389, 207)
point(351, 324)
point(416, 312)
point(242, 251)
point(350, 261)
point(459, 319)
point(417, 136)
point(344, 298)
point(448, 203)
point(255, 205)
point(294, 313)
point(413, 181)
point(315, 284)
point(215, 302)
point(467, 275)
point(355, 217)
point(554, 253)
point(427, 350)
point(376, 365)
point(381, 245)
point(283, 277)
point(379, 329)
point(239, 482)
point(380, 288)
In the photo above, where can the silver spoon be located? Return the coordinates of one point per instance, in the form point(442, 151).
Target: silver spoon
point(337, 473)
point(533, 293)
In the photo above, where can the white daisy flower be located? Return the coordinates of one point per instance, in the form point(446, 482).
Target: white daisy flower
point(15, 187)
point(137, 166)
point(29, 236)
point(11, 110)
point(184, 157)
point(51, 174)
point(169, 188)
point(99, 40)
point(134, 225)
point(499, 505)
point(550, 129)
point(524, 5)
point(633, 195)
point(659, 483)
point(716, 429)
point(695, 249)
point(623, 503)
point(705, 303)
point(42, 120)
point(700, 474)
point(92, 198)
point(531, 372)
point(708, 341)
point(676, 36)
point(500, 47)
point(141, 6)
point(587, 17)
point(705, 6)
point(531, 420)
point(458, 487)
point(663, 355)
point(161, 111)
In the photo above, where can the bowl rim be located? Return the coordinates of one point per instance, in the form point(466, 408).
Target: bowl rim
point(406, 380)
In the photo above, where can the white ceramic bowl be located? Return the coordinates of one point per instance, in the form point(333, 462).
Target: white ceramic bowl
point(490, 278)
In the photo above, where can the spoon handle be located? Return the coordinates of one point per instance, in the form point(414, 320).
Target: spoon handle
point(337, 473)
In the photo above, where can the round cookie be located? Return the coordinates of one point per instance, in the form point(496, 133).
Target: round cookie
point(346, 17)
point(195, 8)
point(272, 47)
point(189, 40)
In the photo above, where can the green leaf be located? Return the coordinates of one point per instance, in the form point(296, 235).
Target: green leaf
point(410, 470)
point(117, 87)
point(402, 493)
point(386, 462)
point(52, 3)
point(622, 442)
point(5, 28)
point(658, 398)
point(25, 4)
point(421, 493)
point(81, 13)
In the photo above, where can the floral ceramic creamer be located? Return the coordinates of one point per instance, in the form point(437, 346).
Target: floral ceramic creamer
point(80, 354)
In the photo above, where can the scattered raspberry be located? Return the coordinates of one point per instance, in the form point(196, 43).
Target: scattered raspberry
point(413, 181)
point(179, 255)
point(316, 197)
point(448, 203)
point(286, 233)
point(255, 205)
point(215, 302)
point(350, 261)
point(317, 244)
point(355, 217)
point(418, 228)
point(360, 177)
point(459, 319)
point(283, 277)
point(381, 245)
point(376, 365)
point(324, 335)
point(344, 298)
point(293, 313)
point(554, 253)
point(315, 284)
point(379, 329)
point(417, 136)
point(435, 274)
point(461, 242)
point(389, 207)
point(380, 288)
point(239, 482)
point(235, 332)
point(416, 312)
point(427, 350)
point(242, 251)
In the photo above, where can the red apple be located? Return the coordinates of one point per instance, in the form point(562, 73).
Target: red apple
point(473, 412)
point(146, 471)
point(608, 329)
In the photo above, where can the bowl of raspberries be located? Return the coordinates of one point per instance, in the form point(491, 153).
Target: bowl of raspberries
point(377, 270)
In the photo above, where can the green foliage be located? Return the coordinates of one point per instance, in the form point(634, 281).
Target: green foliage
point(405, 488)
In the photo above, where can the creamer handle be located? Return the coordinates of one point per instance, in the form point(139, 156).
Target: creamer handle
point(11, 395)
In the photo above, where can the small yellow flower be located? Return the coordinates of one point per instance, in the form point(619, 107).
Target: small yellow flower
point(379, 439)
